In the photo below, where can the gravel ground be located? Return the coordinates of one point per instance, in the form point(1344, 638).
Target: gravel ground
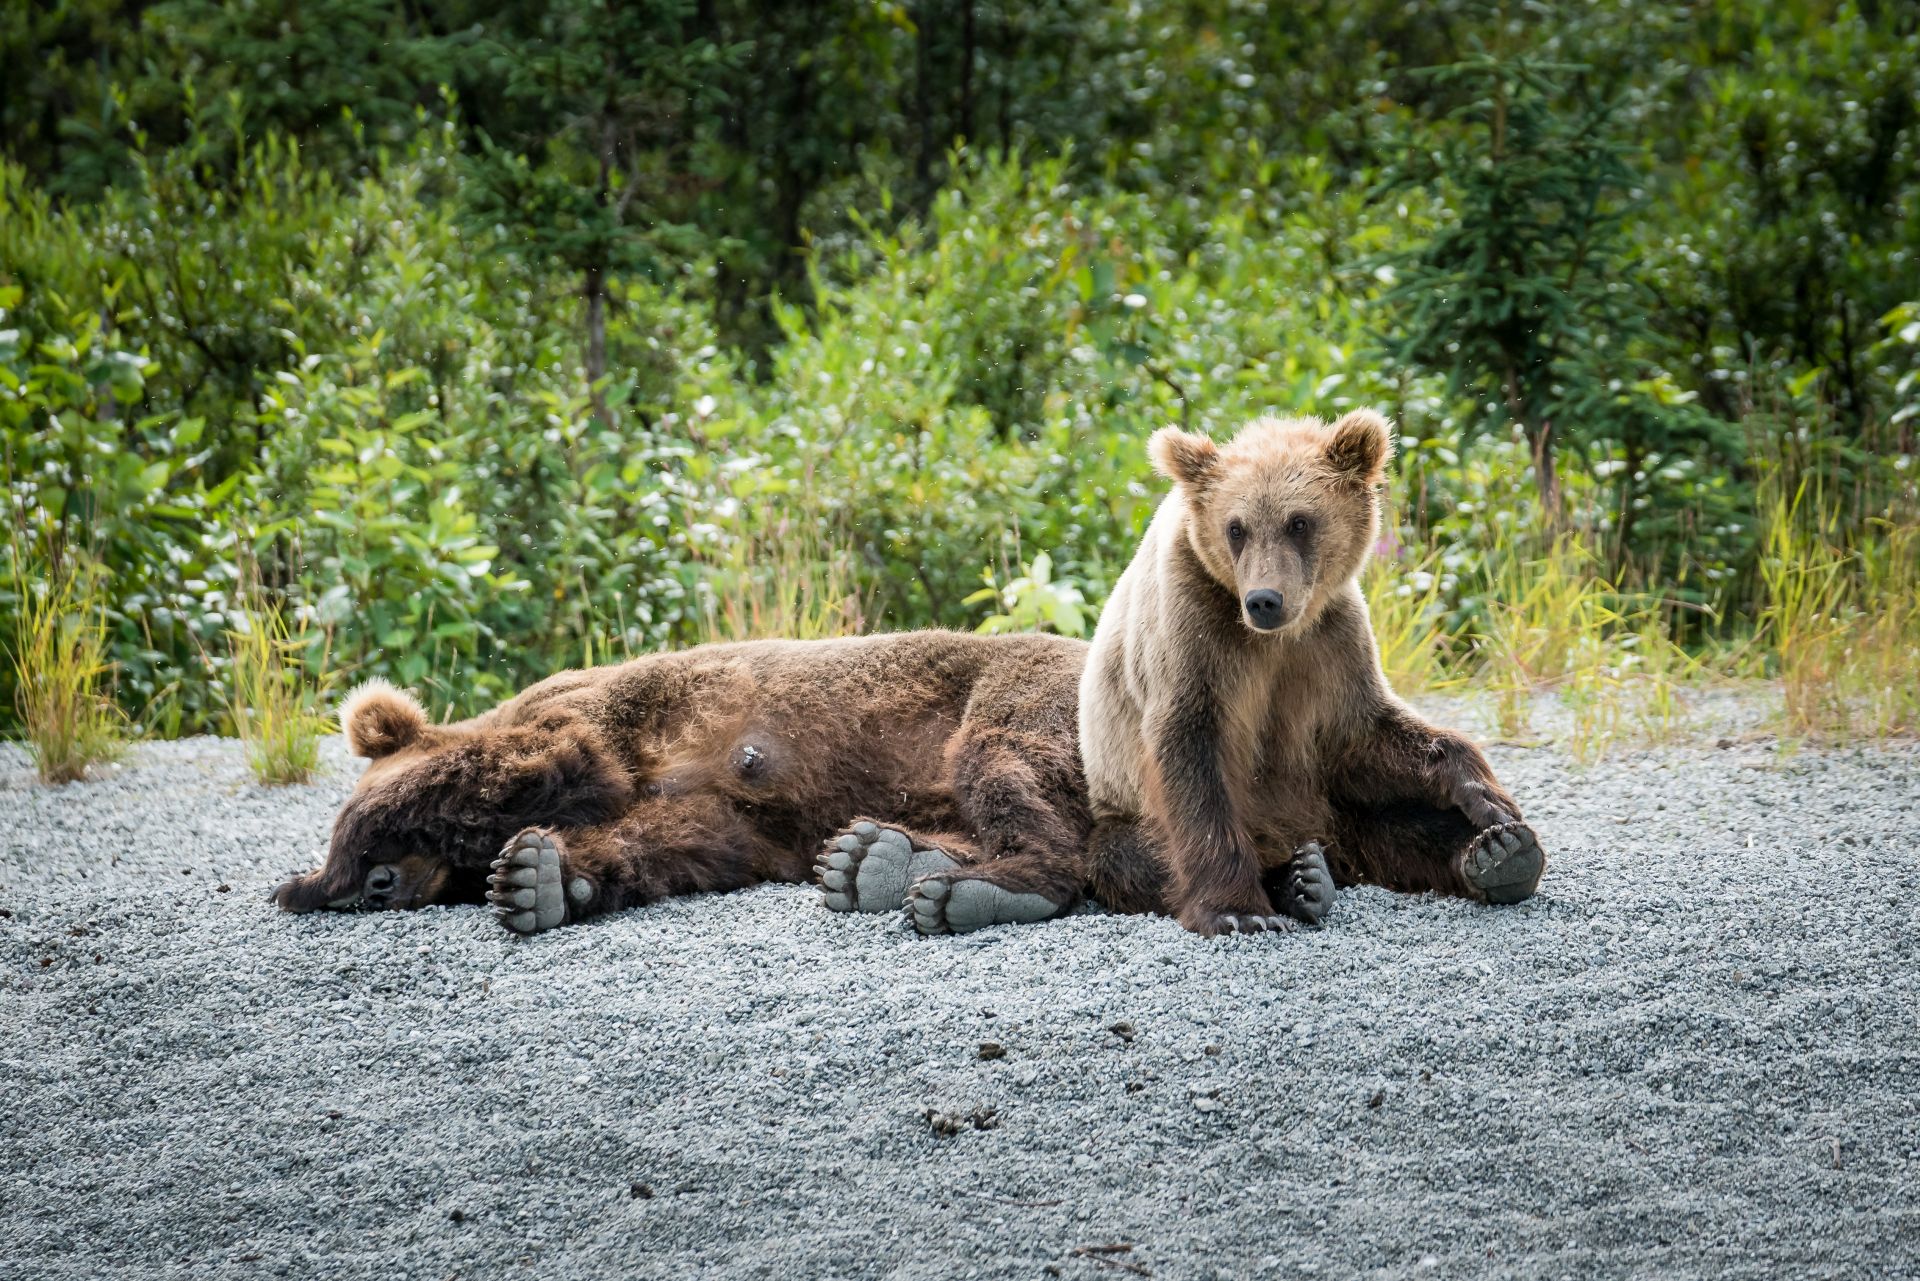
point(1694, 1055)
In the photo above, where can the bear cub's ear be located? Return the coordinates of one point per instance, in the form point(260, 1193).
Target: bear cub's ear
point(1183, 457)
point(1360, 446)
point(379, 720)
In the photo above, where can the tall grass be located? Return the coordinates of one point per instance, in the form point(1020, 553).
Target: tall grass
point(1542, 618)
point(274, 701)
point(61, 674)
point(1408, 610)
point(1840, 614)
point(785, 580)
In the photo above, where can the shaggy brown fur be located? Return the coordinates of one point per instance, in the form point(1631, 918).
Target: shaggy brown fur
point(1233, 708)
point(722, 766)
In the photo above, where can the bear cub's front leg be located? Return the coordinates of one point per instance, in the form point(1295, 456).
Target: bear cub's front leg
point(1211, 911)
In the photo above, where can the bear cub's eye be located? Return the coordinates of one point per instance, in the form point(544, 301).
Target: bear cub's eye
point(1297, 526)
point(1236, 534)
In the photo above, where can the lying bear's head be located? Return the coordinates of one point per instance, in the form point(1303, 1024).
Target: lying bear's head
point(437, 802)
point(369, 864)
point(1284, 515)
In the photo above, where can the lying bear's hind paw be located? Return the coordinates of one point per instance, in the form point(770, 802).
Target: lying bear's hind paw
point(1306, 890)
point(945, 904)
point(529, 887)
point(1504, 863)
point(868, 867)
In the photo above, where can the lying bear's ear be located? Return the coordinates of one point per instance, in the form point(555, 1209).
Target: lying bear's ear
point(1183, 457)
point(1360, 446)
point(379, 720)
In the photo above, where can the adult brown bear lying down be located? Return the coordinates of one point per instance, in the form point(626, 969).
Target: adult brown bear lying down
point(936, 771)
point(723, 766)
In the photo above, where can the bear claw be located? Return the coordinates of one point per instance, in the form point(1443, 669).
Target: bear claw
point(1504, 863)
point(1214, 924)
point(529, 888)
point(868, 868)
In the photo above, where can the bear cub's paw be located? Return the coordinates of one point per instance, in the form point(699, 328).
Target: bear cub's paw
point(529, 887)
point(1306, 887)
point(947, 904)
point(867, 868)
point(1504, 863)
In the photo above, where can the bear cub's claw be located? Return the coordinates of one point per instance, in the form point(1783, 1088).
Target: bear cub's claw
point(867, 868)
point(1213, 924)
point(1306, 889)
point(1504, 863)
point(525, 886)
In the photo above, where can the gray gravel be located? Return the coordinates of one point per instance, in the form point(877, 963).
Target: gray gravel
point(1695, 1055)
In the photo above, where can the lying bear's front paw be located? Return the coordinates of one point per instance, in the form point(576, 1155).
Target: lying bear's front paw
point(1306, 887)
point(529, 886)
point(1503, 864)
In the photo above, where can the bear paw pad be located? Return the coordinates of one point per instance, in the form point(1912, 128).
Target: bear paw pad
point(1306, 892)
point(867, 868)
point(529, 888)
point(1504, 863)
point(942, 904)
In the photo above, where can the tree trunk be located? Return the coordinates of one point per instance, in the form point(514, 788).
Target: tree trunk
point(1546, 475)
point(968, 41)
point(923, 18)
point(1540, 440)
point(1623, 533)
point(595, 290)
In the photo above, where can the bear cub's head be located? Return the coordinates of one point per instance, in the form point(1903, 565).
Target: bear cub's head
point(1284, 515)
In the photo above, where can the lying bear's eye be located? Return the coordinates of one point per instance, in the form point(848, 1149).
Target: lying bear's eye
point(1297, 526)
point(1236, 533)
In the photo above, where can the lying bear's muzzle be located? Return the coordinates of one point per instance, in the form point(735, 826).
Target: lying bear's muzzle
point(414, 881)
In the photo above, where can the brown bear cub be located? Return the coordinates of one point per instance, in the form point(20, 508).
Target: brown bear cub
point(726, 765)
point(1238, 735)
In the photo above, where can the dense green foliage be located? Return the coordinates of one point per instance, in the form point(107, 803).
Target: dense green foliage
point(489, 338)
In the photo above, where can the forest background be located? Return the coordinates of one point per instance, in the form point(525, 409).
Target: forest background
point(455, 343)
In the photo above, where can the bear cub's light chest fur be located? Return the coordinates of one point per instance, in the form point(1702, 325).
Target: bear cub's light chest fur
point(1173, 644)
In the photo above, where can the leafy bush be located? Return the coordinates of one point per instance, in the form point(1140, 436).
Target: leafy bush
point(1033, 602)
point(906, 306)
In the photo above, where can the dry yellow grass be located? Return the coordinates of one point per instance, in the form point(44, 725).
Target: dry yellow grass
point(61, 674)
point(274, 701)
